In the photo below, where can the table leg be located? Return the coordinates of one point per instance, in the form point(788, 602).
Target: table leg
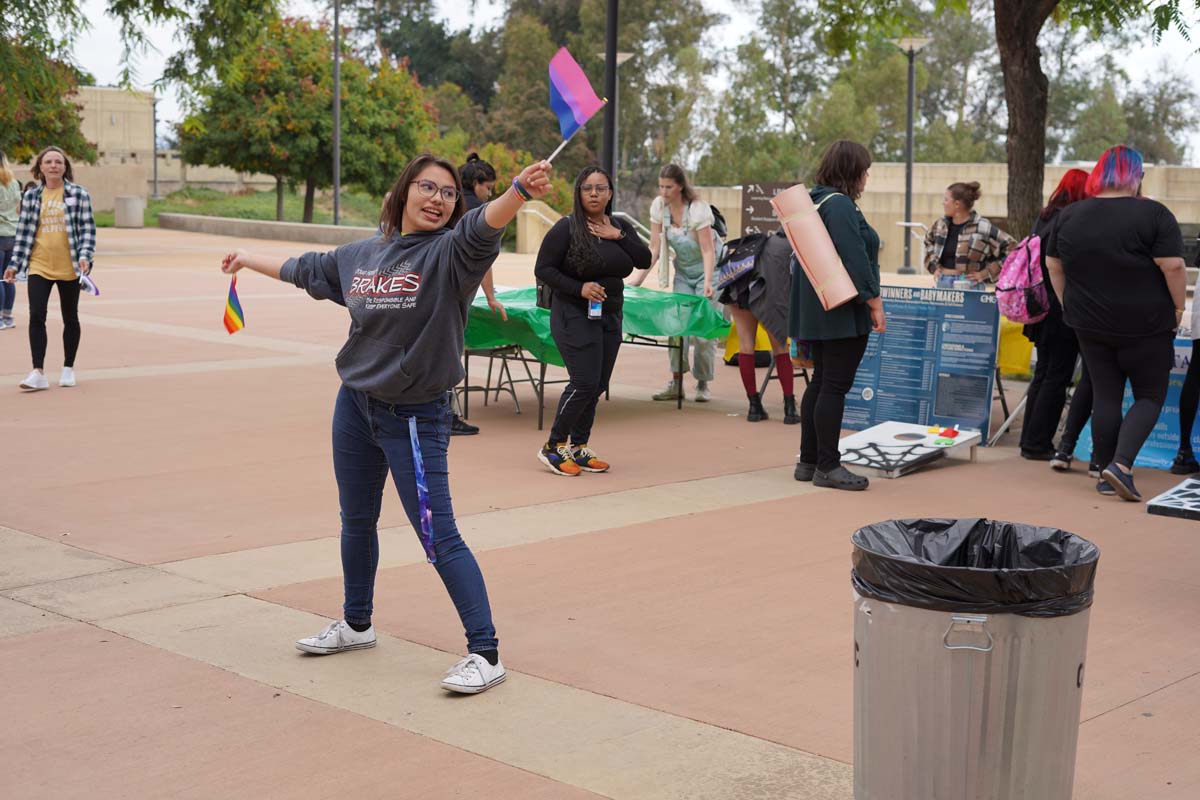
point(541, 394)
point(466, 402)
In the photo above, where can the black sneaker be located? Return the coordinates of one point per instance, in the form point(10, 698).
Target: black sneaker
point(1037, 455)
point(1185, 463)
point(1122, 482)
point(460, 427)
point(1061, 461)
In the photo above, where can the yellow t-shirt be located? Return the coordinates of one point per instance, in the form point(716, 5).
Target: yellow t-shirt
point(51, 256)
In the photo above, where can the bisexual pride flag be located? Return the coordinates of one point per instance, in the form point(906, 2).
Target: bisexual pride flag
point(571, 97)
point(234, 319)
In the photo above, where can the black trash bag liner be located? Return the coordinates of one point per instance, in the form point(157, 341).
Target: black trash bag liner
point(975, 566)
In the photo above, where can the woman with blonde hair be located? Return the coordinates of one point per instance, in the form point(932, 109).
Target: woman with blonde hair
point(10, 211)
point(55, 244)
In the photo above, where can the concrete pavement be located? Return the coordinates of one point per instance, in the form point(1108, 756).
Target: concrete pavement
point(677, 628)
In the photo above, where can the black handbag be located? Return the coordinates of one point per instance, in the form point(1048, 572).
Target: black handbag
point(741, 256)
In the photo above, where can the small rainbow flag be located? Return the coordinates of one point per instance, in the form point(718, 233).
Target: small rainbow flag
point(571, 96)
point(234, 319)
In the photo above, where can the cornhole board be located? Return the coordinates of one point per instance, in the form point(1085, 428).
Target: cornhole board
point(892, 449)
point(1183, 501)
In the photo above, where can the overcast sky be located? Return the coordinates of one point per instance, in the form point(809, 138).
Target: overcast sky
point(99, 50)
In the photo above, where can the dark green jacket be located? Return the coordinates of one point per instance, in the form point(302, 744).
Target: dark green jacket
point(858, 245)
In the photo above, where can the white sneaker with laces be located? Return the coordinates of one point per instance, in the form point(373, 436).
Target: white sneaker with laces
point(473, 675)
point(35, 381)
point(67, 378)
point(703, 395)
point(7, 323)
point(336, 638)
point(670, 392)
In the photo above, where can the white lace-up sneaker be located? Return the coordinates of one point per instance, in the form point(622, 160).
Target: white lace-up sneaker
point(35, 381)
point(703, 395)
point(336, 638)
point(473, 675)
point(67, 378)
point(670, 392)
point(7, 323)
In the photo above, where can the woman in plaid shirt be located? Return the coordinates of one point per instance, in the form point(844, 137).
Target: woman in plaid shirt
point(55, 243)
point(963, 244)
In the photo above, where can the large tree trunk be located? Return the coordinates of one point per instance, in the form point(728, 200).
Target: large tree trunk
point(279, 198)
point(310, 191)
point(1026, 89)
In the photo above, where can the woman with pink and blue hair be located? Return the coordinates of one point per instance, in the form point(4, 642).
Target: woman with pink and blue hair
point(1116, 261)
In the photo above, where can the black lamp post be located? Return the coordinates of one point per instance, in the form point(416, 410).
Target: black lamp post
point(911, 46)
point(609, 158)
point(337, 112)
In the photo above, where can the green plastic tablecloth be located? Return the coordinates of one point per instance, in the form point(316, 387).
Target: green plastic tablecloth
point(646, 313)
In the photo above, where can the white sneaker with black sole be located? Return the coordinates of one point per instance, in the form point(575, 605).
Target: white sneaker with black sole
point(35, 381)
point(473, 675)
point(338, 637)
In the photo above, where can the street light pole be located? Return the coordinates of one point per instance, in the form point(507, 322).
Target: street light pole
point(910, 46)
point(154, 141)
point(337, 112)
point(610, 90)
point(907, 269)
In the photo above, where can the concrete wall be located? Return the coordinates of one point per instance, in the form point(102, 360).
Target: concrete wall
point(119, 122)
point(174, 174)
point(332, 235)
point(104, 182)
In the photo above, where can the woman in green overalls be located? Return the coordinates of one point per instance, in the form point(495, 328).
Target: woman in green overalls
point(684, 223)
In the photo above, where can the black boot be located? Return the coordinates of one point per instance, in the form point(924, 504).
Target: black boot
point(756, 413)
point(1185, 463)
point(790, 417)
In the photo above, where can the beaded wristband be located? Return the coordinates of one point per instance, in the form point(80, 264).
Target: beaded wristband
point(520, 189)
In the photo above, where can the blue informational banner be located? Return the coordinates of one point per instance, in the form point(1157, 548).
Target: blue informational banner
point(935, 364)
point(1160, 449)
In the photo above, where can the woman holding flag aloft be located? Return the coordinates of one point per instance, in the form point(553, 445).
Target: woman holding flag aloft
point(407, 290)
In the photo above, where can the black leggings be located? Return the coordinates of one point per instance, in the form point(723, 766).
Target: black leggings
point(1146, 363)
point(835, 363)
point(39, 300)
point(1079, 412)
point(1189, 399)
point(589, 348)
point(1057, 353)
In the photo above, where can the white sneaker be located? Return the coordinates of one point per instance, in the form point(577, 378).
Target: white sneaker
point(67, 378)
point(336, 638)
point(6, 323)
point(473, 675)
point(35, 381)
point(670, 392)
point(703, 395)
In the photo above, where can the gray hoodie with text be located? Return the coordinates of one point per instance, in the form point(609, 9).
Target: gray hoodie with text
point(408, 298)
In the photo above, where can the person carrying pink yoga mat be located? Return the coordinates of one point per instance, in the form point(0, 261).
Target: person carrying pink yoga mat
point(814, 250)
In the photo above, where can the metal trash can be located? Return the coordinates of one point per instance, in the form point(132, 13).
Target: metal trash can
point(970, 637)
point(129, 211)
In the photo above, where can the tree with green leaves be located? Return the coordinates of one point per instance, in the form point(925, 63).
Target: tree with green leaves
point(1017, 24)
point(272, 114)
point(38, 107)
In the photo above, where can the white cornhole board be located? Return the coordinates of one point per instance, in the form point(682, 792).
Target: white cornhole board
point(892, 449)
point(1183, 501)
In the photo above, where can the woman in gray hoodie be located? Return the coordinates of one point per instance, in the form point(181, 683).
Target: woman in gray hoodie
point(407, 289)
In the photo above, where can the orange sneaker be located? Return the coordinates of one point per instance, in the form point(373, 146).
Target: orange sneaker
point(559, 459)
point(587, 460)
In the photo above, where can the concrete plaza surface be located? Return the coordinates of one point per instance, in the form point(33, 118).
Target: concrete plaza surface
point(677, 628)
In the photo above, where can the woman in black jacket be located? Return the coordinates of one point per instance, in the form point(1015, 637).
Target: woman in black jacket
point(1057, 348)
point(585, 258)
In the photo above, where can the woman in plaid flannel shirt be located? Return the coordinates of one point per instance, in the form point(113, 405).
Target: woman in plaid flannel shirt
point(963, 244)
point(55, 243)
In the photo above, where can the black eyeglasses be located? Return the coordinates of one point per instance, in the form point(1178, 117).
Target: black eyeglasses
point(427, 188)
point(599, 188)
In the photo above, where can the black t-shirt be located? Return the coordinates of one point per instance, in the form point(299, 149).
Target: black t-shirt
point(950, 250)
point(565, 267)
point(1107, 246)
